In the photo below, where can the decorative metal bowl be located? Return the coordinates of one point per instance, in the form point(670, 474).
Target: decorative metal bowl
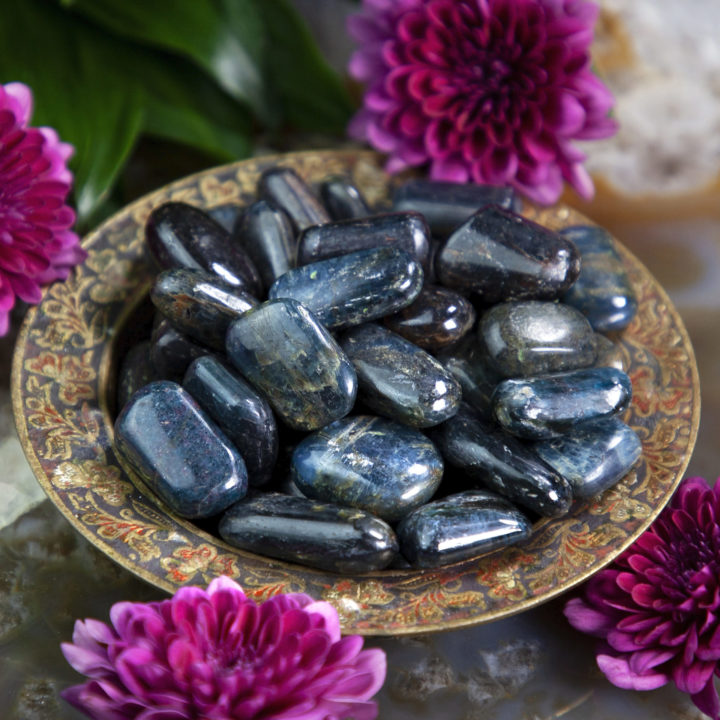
point(63, 389)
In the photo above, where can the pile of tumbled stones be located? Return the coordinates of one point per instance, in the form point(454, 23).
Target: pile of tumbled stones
point(447, 333)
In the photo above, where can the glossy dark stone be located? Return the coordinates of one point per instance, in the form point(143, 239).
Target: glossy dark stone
point(398, 379)
point(226, 215)
point(369, 463)
point(243, 415)
point(602, 291)
point(535, 338)
point(447, 205)
point(502, 463)
point(502, 256)
point(199, 304)
point(551, 405)
point(342, 199)
point(355, 288)
point(178, 452)
point(285, 189)
point(321, 535)
point(407, 231)
point(183, 236)
point(609, 353)
point(459, 527)
point(594, 456)
point(438, 317)
point(268, 237)
point(171, 351)
point(286, 354)
point(136, 370)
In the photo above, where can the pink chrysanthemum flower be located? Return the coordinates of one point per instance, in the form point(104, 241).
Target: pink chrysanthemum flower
point(658, 608)
point(488, 91)
point(217, 655)
point(37, 245)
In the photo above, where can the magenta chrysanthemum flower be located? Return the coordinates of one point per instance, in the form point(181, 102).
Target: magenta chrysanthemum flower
point(658, 608)
point(217, 655)
point(37, 245)
point(488, 91)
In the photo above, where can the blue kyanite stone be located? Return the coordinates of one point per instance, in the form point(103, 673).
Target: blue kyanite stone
point(285, 189)
point(342, 199)
point(609, 353)
point(398, 379)
point(594, 456)
point(551, 405)
point(286, 354)
point(522, 339)
point(178, 452)
point(136, 370)
point(459, 527)
point(172, 351)
point(299, 530)
point(243, 415)
point(602, 291)
point(498, 461)
point(355, 288)
point(369, 463)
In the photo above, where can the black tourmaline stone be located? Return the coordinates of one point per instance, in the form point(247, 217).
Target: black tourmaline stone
point(136, 370)
point(522, 339)
point(502, 463)
point(438, 317)
point(459, 527)
point(398, 379)
point(602, 291)
point(447, 205)
point(286, 354)
point(243, 415)
point(178, 452)
point(503, 256)
point(594, 456)
point(321, 535)
point(285, 189)
point(200, 304)
point(183, 236)
point(551, 405)
point(171, 351)
point(355, 288)
point(369, 463)
point(609, 353)
point(342, 199)
point(407, 231)
point(268, 237)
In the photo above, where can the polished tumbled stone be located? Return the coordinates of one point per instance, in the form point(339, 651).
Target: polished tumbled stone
point(609, 353)
point(369, 463)
point(268, 237)
point(594, 456)
point(172, 351)
point(355, 288)
point(183, 236)
point(342, 199)
point(459, 527)
point(448, 205)
point(398, 379)
point(544, 407)
point(602, 291)
point(286, 354)
point(438, 317)
point(502, 256)
point(535, 338)
point(136, 370)
point(502, 463)
point(243, 415)
point(407, 231)
point(285, 189)
point(226, 214)
point(199, 304)
point(178, 452)
point(321, 535)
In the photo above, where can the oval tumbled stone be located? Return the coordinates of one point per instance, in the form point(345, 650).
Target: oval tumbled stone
point(342, 199)
point(284, 188)
point(354, 288)
point(398, 379)
point(535, 338)
point(369, 463)
point(551, 405)
point(286, 354)
point(172, 351)
point(321, 535)
point(609, 353)
point(179, 452)
point(594, 456)
point(459, 527)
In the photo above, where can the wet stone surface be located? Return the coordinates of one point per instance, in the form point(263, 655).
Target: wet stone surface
point(342, 199)
point(285, 189)
point(136, 370)
point(171, 351)
point(609, 353)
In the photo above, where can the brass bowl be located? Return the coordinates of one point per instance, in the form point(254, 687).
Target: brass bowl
point(63, 394)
